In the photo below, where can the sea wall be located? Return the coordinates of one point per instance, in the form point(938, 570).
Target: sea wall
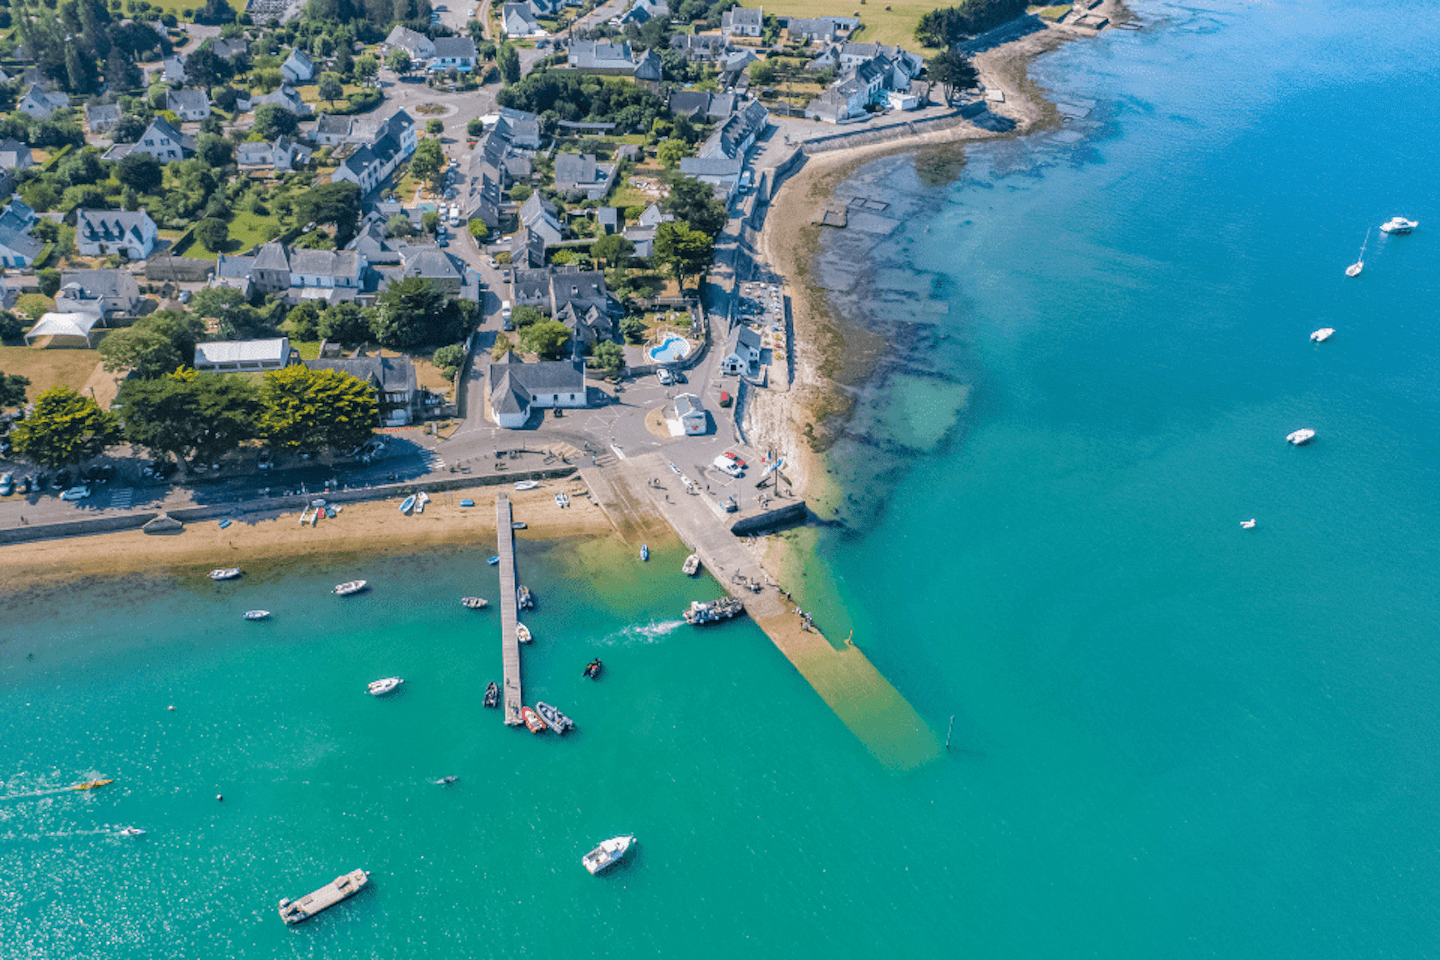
point(75, 528)
point(905, 129)
point(793, 512)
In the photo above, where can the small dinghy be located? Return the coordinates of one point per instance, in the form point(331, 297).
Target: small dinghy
point(524, 600)
point(492, 694)
point(421, 499)
point(644, 551)
point(1323, 334)
point(593, 668)
point(609, 853)
point(527, 484)
point(493, 560)
point(91, 784)
point(474, 603)
point(467, 503)
point(1247, 524)
point(378, 688)
point(562, 501)
point(131, 832)
point(518, 525)
point(224, 523)
point(556, 720)
point(1301, 437)
point(692, 565)
point(408, 504)
point(225, 573)
point(522, 633)
point(532, 720)
point(351, 586)
point(257, 614)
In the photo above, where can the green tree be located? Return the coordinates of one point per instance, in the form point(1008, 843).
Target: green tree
point(273, 120)
point(154, 345)
point(414, 311)
point(434, 127)
point(307, 411)
point(333, 203)
point(49, 281)
point(547, 338)
point(65, 428)
point(214, 233)
point(953, 70)
point(687, 252)
point(428, 161)
point(671, 152)
point(345, 323)
point(366, 67)
point(612, 248)
point(141, 172)
point(330, 88)
point(608, 356)
point(304, 321)
point(12, 390)
point(398, 60)
point(11, 326)
point(449, 359)
point(695, 203)
point(430, 221)
point(474, 127)
point(215, 150)
point(525, 316)
point(633, 329)
point(507, 58)
point(478, 230)
point(399, 226)
point(186, 414)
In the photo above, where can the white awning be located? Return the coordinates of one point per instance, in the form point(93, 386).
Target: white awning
point(63, 325)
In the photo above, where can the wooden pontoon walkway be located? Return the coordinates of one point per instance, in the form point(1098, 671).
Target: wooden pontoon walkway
point(509, 645)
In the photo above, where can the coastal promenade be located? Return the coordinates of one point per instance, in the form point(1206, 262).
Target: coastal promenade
point(638, 491)
point(509, 614)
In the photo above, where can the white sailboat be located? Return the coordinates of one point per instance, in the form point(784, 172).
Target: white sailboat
point(1354, 269)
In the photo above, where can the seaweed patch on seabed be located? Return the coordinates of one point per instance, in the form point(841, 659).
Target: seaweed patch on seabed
point(911, 399)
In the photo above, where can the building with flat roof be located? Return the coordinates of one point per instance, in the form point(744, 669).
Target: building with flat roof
point(234, 356)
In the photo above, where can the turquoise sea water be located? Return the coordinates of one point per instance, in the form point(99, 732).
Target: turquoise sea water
point(1173, 737)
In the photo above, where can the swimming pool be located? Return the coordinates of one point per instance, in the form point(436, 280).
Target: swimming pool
point(672, 348)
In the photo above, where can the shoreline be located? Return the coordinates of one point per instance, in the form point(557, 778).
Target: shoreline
point(820, 401)
point(362, 527)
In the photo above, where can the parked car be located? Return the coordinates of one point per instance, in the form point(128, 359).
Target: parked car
point(727, 466)
point(725, 399)
point(664, 376)
point(266, 461)
point(734, 457)
point(75, 493)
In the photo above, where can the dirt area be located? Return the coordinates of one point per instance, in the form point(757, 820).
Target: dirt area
point(46, 367)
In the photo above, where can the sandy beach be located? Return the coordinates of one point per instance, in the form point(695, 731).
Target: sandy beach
point(363, 527)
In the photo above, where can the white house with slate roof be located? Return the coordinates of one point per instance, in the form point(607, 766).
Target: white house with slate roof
point(298, 67)
point(394, 140)
point(102, 233)
point(454, 53)
point(41, 103)
point(742, 353)
point(100, 293)
point(15, 155)
point(161, 140)
point(520, 21)
point(397, 389)
point(516, 389)
point(286, 97)
point(740, 22)
point(191, 106)
point(419, 46)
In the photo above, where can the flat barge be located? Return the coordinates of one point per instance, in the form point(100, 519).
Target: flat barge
point(341, 888)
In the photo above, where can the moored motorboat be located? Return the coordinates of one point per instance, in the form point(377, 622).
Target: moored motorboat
point(1323, 334)
point(527, 484)
point(474, 603)
point(644, 551)
point(492, 694)
point(532, 720)
point(1301, 437)
point(710, 611)
point(407, 504)
point(522, 633)
point(556, 720)
point(446, 781)
point(607, 854)
point(350, 586)
point(1399, 225)
point(593, 668)
point(130, 832)
point(691, 565)
point(225, 573)
point(91, 784)
point(524, 599)
point(257, 614)
point(1247, 524)
point(378, 688)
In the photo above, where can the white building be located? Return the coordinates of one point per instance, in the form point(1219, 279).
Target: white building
point(517, 389)
point(233, 356)
point(691, 415)
point(101, 233)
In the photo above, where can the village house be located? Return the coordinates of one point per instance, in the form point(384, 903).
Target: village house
point(296, 274)
point(740, 22)
point(604, 58)
point(736, 135)
point(15, 155)
point(690, 415)
point(393, 141)
point(298, 67)
point(454, 53)
point(541, 216)
point(100, 293)
point(228, 49)
point(742, 352)
point(417, 45)
point(237, 356)
point(283, 154)
point(520, 21)
point(397, 389)
point(172, 70)
point(101, 118)
point(515, 390)
point(866, 81)
point(579, 175)
point(700, 46)
point(191, 106)
point(642, 12)
point(721, 173)
point(17, 247)
point(425, 262)
point(700, 106)
point(40, 103)
point(161, 140)
point(285, 97)
point(819, 29)
point(103, 233)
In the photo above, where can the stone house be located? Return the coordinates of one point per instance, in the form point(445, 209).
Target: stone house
point(580, 175)
point(15, 155)
point(742, 351)
point(103, 233)
point(515, 390)
point(740, 22)
point(101, 293)
point(191, 106)
point(298, 67)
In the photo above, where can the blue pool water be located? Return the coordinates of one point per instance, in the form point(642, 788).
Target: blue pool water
point(672, 348)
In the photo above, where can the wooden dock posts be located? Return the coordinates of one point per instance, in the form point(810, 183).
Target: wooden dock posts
point(509, 615)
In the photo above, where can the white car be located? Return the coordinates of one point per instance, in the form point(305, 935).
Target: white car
point(664, 376)
point(726, 465)
point(76, 493)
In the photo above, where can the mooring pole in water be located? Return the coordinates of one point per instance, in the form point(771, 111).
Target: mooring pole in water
point(950, 731)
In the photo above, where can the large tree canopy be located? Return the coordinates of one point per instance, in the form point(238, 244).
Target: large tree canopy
point(306, 411)
point(154, 345)
point(953, 71)
point(687, 252)
point(65, 428)
point(414, 312)
point(333, 203)
point(205, 414)
point(695, 203)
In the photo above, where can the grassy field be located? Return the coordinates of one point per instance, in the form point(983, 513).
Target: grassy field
point(50, 366)
point(893, 22)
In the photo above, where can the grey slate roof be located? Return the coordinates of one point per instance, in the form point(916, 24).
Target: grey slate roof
point(390, 374)
point(187, 100)
point(454, 48)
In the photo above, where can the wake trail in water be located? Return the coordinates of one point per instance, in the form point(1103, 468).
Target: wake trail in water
point(652, 632)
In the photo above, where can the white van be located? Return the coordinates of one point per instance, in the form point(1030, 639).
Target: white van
point(455, 215)
point(505, 314)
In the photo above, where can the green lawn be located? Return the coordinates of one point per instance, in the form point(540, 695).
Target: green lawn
point(888, 22)
point(49, 367)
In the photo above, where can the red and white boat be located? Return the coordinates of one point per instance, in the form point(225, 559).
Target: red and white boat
point(532, 720)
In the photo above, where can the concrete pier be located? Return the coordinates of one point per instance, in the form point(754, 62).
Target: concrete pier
point(509, 615)
point(843, 676)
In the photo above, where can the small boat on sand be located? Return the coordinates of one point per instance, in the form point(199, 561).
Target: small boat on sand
point(130, 832)
point(644, 551)
point(467, 503)
point(593, 668)
point(518, 525)
point(1247, 524)
point(225, 573)
point(474, 603)
point(1301, 437)
point(407, 504)
point(1323, 334)
point(421, 499)
point(257, 614)
point(524, 600)
point(522, 633)
point(446, 781)
point(532, 720)
point(350, 586)
point(378, 688)
point(609, 853)
point(527, 484)
point(692, 565)
point(1399, 225)
point(91, 784)
point(492, 694)
point(563, 500)
point(493, 560)
point(556, 720)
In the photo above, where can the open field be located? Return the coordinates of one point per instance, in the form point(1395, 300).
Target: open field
point(48, 367)
point(892, 22)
